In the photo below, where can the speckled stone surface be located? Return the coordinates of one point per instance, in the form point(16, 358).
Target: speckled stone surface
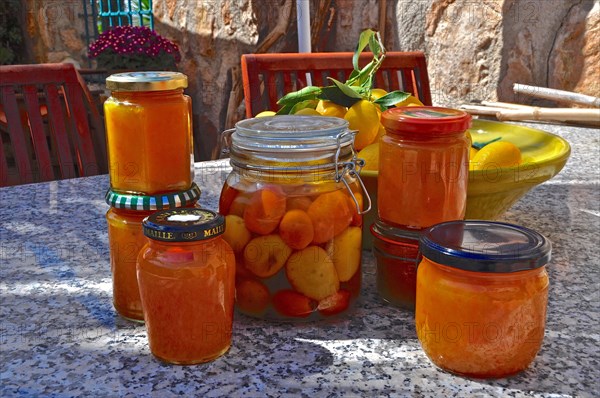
point(59, 334)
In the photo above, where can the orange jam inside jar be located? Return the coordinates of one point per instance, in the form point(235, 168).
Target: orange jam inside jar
point(186, 277)
point(423, 166)
point(396, 252)
point(149, 133)
point(482, 293)
point(293, 204)
point(126, 238)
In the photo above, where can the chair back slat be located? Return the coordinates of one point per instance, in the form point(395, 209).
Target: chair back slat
point(56, 115)
point(3, 162)
point(53, 129)
point(17, 135)
point(38, 135)
point(81, 137)
point(338, 65)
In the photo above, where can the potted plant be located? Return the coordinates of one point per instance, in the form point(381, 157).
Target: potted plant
point(125, 48)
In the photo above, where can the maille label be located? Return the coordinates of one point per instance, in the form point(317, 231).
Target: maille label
point(184, 225)
point(214, 231)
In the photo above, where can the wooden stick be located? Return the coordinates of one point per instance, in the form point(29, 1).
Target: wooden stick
point(506, 105)
point(558, 114)
point(557, 95)
point(480, 110)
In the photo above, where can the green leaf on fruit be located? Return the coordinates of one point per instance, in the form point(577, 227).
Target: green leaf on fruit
point(479, 145)
point(334, 94)
point(363, 41)
point(392, 98)
point(303, 105)
point(306, 93)
point(349, 91)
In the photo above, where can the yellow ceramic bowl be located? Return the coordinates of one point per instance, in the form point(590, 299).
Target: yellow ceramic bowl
point(493, 191)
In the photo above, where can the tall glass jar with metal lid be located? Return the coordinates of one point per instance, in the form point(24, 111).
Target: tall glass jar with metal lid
point(149, 133)
point(294, 203)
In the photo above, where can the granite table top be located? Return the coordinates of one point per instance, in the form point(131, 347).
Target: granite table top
point(60, 336)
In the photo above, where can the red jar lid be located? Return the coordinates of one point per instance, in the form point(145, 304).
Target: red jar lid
point(425, 120)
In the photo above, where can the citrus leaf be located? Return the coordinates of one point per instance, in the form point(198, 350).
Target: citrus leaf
point(285, 110)
point(312, 103)
point(349, 91)
point(336, 95)
point(309, 92)
point(375, 46)
point(479, 145)
point(363, 41)
point(392, 98)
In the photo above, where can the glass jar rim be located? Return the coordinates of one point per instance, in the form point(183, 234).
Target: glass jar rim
point(485, 246)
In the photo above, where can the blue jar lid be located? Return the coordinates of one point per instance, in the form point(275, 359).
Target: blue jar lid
point(485, 246)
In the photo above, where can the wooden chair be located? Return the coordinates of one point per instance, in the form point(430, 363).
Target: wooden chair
point(267, 77)
point(50, 127)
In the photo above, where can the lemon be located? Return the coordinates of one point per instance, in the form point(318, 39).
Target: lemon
point(328, 108)
point(497, 154)
point(380, 132)
point(410, 101)
point(307, 112)
point(363, 116)
point(265, 113)
point(472, 152)
point(377, 93)
point(370, 154)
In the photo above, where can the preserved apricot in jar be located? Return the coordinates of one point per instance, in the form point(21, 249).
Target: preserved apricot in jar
point(292, 188)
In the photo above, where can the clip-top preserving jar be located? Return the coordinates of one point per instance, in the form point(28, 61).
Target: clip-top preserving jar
point(186, 277)
point(423, 166)
point(126, 238)
point(149, 133)
point(294, 204)
point(482, 292)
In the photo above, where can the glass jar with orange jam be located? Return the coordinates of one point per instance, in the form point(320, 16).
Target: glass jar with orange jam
point(396, 251)
point(423, 166)
point(149, 133)
point(186, 277)
point(293, 204)
point(482, 293)
point(126, 238)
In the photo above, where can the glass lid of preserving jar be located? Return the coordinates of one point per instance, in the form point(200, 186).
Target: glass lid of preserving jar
point(293, 140)
point(485, 246)
point(146, 81)
point(297, 144)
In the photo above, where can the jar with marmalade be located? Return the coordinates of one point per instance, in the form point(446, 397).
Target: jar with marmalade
point(294, 204)
point(149, 133)
point(126, 238)
point(482, 293)
point(186, 277)
point(423, 166)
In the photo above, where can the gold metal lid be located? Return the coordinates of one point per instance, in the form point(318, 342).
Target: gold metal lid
point(146, 81)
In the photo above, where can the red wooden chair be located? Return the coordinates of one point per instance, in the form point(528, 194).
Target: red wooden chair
point(267, 77)
point(50, 127)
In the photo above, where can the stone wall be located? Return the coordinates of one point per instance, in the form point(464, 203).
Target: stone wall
point(476, 49)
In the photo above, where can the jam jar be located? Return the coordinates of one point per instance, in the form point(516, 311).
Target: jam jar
point(482, 293)
point(186, 277)
point(294, 204)
point(423, 166)
point(126, 238)
point(149, 133)
point(396, 252)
